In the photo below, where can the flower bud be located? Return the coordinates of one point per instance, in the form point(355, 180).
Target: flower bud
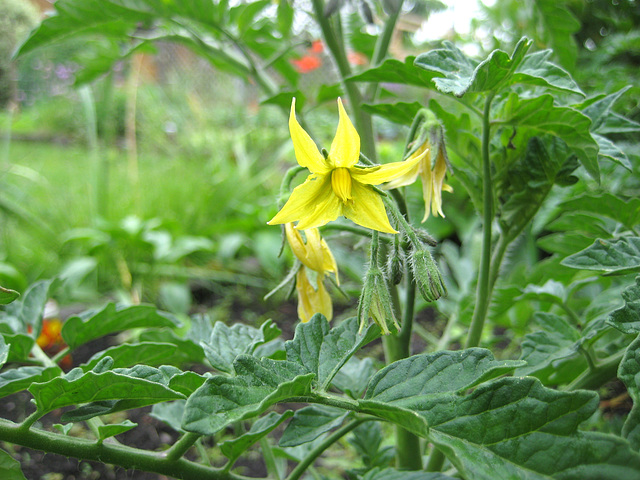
point(375, 303)
point(427, 275)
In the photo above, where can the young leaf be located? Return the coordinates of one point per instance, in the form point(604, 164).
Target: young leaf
point(9, 467)
point(396, 71)
point(393, 474)
point(190, 351)
point(18, 379)
point(611, 257)
point(7, 295)
point(226, 343)
point(548, 352)
point(627, 318)
point(77, 387)
point(368, 438)
point(258, 384)
point(28, 311)
point(353, 378)
point(94, 324)
point(601, 111)
point(608, 205)
point(113, 429)
point(629, 373)
point(309, 423)
point(232, 449)
point(323, 351)
point(462, 75)
point(437, 373)
point(170, 413)
point(144, 353)
point(401, 112)
point(610, 150)
point(536, 69)
point(540, 116)
point(20, 346)
point(4, 351)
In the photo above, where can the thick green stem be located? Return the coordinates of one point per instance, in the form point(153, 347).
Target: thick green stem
point(483, 292)
point(335, 45)
point(597, 376)
point(297, 472)
point(181, 447)
point(126, 457)
point(382, 46)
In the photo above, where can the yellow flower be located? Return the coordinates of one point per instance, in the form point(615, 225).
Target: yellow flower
point(314, 254)
point(337, 186)
point(311, 300)
point(432, 180)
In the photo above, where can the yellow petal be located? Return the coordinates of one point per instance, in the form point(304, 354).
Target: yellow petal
point(439, 172)
point(345, 148)
point(304, 202)
point(306, 151)
point(427, 191)
point(367, 209)
point(389, 171)
point(310, 300)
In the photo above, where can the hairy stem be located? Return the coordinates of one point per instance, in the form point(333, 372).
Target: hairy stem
point(297, 472)
point(484, 288)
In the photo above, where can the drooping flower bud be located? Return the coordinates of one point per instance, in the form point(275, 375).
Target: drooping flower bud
point(427, 275)
point(375, 303)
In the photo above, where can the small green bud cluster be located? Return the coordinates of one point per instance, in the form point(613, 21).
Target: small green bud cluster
point(427, 275)
point(375, 302)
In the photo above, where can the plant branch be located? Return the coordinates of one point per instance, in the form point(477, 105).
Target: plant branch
point(297, 472)
point(124, 456)
point(484, 288)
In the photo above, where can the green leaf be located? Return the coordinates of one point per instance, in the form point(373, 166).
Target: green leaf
point(309, 423)
point(186, 382)
point(611, 257)
point(564, 244)
point(558, 25)
point(437, 373)
point(20, 346)
point(536, 69)
point(284, 99)
point(546, 351)
point(64, 429)
point(600, 112)
point(140, 384)
point(4, 351)
point(610, 150)
point(111, 430)
point(627, 318)
point(258, 384)
point(353, 378)
point(170, 413)
point(7, 295)
point(9, 467)
point(18, 379)
point(370, 443)
point(629, 373)
point(28, 311)
point(540, 116)
point(94, 324)
point(187, 349)
point(328, 93)
point(323, 351)
point(396, 71)
point(393, 474)
point(529, 180)
point(401, 112)
point(232, 449)
point(521, 429)
point(285, 18)
point(226, 343)
point(607, 205)
point(462, 75)
point(144, 353)
point(551, 291)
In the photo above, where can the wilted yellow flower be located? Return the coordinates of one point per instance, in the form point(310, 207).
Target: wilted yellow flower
point(310, 299)
point(337, 186)
point(432, 179)
point(315, 253)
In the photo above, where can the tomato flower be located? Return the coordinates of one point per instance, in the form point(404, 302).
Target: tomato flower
point(432, 177)
point(337, 186)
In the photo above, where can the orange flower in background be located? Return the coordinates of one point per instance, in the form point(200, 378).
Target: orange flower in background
point(51, 342)
point(307, 64)
point(357, 58)
point(317, 47)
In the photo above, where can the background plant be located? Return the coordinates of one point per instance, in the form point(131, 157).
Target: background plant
point(546, 170)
